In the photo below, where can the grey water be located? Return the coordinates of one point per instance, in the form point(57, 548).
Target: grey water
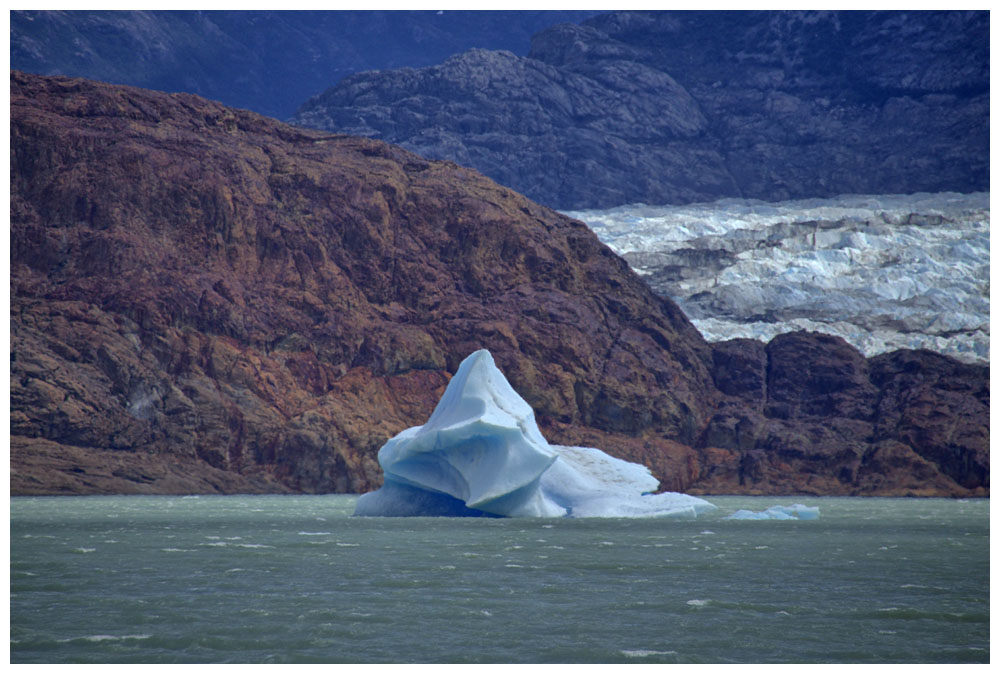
point(248, 579)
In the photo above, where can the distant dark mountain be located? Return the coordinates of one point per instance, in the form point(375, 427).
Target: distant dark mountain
point(676, 107)
point(268, 62)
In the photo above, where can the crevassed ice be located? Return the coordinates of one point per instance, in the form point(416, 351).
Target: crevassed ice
point(481, 454)
point(882, 271)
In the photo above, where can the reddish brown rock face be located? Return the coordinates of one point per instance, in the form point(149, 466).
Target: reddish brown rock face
point(203, 299)
point(813, 415)
point(199, 282)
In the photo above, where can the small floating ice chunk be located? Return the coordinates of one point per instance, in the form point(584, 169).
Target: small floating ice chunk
point(778, 512)
point(481, 454)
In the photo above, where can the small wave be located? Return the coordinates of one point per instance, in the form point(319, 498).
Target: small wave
point(698, 602)
point(255, 611)
point(175, 550)
point(315, 533)
point(645, 653)
point(105, 637)
point(348, 545)
point(84, 550)
point(896, 613)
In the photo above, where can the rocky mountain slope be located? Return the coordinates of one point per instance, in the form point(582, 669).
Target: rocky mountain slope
point(204, 299)
point(265, 61)
point(679, 107)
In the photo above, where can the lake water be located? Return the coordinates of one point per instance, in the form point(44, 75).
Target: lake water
point(297, 579)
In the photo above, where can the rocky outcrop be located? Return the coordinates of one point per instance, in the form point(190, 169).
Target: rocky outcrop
point(553, 133)
point(814, 415)
point(678, 107)
point(203, 299)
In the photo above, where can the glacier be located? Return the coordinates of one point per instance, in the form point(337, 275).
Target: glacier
point(882, 271)
point(481, 454)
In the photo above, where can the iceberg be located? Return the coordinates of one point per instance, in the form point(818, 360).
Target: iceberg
point(778, 512)
point(481, 454)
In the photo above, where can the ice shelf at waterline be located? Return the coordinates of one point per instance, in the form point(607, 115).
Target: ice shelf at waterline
point(481, 454)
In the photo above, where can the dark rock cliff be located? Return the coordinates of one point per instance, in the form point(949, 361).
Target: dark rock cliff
point(677, 107)
point(204, 299)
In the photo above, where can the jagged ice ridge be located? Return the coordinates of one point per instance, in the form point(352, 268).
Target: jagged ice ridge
point(882, 271)
point(481, 454)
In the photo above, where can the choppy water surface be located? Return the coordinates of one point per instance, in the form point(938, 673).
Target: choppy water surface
point(296, 579)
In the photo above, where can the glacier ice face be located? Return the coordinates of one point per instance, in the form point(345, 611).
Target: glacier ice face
point(778, 512)
point(882, 271)
point(481, 454)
